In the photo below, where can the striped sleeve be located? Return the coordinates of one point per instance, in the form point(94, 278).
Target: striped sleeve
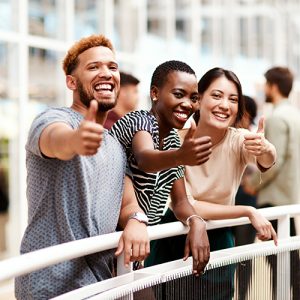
point(125, 128)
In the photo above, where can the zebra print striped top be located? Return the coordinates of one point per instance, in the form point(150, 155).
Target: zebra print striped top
point(152, 189)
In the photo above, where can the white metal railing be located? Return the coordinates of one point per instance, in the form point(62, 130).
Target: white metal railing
point(39, 259)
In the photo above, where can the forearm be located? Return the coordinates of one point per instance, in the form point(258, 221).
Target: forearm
point(129, 203)
point(213, 211)
point(126, 212)
point(184, 210)
point(152, 161)
point(267, 159)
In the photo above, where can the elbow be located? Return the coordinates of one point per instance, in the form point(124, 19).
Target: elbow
point(145, 168)
point(144, 165)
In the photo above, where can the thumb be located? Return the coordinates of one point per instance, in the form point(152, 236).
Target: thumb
point(192, 129)
point(261, 125)
point(92, 111)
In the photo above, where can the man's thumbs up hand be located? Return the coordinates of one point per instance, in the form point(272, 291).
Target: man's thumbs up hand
point(88, 137)
point(91, 113)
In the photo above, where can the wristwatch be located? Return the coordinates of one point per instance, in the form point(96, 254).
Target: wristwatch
point(141, 217)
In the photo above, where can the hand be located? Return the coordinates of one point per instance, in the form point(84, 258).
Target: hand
point(255, 143)
point(197, 243)
point(264, 228)
point(88, 137)
point(134, 242)
point(194, 151)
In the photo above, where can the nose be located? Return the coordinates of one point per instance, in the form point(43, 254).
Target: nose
point(104, 72)
point(187, 103)
point(224, 103)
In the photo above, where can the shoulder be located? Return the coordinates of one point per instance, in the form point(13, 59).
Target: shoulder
point(125, 128)
point(172, 140)
point(58, 114)
point(235, 134)
point(235, 138)
point(135, 118)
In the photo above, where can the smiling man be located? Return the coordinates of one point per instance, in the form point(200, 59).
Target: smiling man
point(75, 177)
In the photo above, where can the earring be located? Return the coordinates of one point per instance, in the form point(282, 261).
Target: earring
point(154, 99)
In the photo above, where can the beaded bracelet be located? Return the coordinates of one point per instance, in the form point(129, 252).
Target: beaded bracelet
point(196, 216)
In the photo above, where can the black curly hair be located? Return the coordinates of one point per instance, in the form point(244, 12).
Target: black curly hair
point(162, 71)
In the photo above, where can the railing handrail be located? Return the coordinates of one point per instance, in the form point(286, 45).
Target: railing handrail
point(39, 259)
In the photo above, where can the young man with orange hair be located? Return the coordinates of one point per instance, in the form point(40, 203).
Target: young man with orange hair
point(76, 177)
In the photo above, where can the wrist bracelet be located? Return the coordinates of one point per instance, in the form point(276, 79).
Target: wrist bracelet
point(196, 216)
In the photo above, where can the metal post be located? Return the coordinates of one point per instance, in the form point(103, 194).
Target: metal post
point(283, 261)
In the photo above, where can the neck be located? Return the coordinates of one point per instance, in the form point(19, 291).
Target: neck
point(277, 99)
point(215, 134)
point(163, 129)
point(101, 115)
point(120, 111)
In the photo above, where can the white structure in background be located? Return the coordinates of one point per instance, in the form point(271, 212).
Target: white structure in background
point(247, 36)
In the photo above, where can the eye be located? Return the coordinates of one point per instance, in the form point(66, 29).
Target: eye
point(178, 95)
point(92, 67)
point(113, 68)
point(234, 100)
point(195, 99)
point(217, 95)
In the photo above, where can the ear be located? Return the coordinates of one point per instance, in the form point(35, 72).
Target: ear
point(71, 82)
point(154, 93)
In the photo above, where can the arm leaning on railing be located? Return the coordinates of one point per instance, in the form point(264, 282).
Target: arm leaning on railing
point(39, 259)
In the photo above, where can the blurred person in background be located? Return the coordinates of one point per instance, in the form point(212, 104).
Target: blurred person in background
point(280, 185)
point(76, 185)
point(127, 100)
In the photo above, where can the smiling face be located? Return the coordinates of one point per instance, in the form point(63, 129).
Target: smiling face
point(97, 77)
point(219, 104)
point(176, 100)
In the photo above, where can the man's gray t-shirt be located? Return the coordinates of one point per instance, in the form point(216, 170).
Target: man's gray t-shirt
point(67, 201)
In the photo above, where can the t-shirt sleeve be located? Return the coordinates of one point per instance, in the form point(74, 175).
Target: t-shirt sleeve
point(43, 120)
point(125, 128)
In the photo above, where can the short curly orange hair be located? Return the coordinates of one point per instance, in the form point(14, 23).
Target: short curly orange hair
point(71, 59)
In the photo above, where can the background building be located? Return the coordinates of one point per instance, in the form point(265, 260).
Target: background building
point(247, 36)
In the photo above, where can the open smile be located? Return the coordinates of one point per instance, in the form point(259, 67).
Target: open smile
point(181, 116)
point(221, 116)
point(104, 89)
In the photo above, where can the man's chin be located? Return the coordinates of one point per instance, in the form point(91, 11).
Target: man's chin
point(104, 105)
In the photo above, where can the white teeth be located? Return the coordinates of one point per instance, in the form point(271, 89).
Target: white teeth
point(181, 115)
point(220, 115)
point(103, 86)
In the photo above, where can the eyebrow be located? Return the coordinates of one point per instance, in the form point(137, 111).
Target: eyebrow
point(183, 90)
point(216, 90)
point(101, 62)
